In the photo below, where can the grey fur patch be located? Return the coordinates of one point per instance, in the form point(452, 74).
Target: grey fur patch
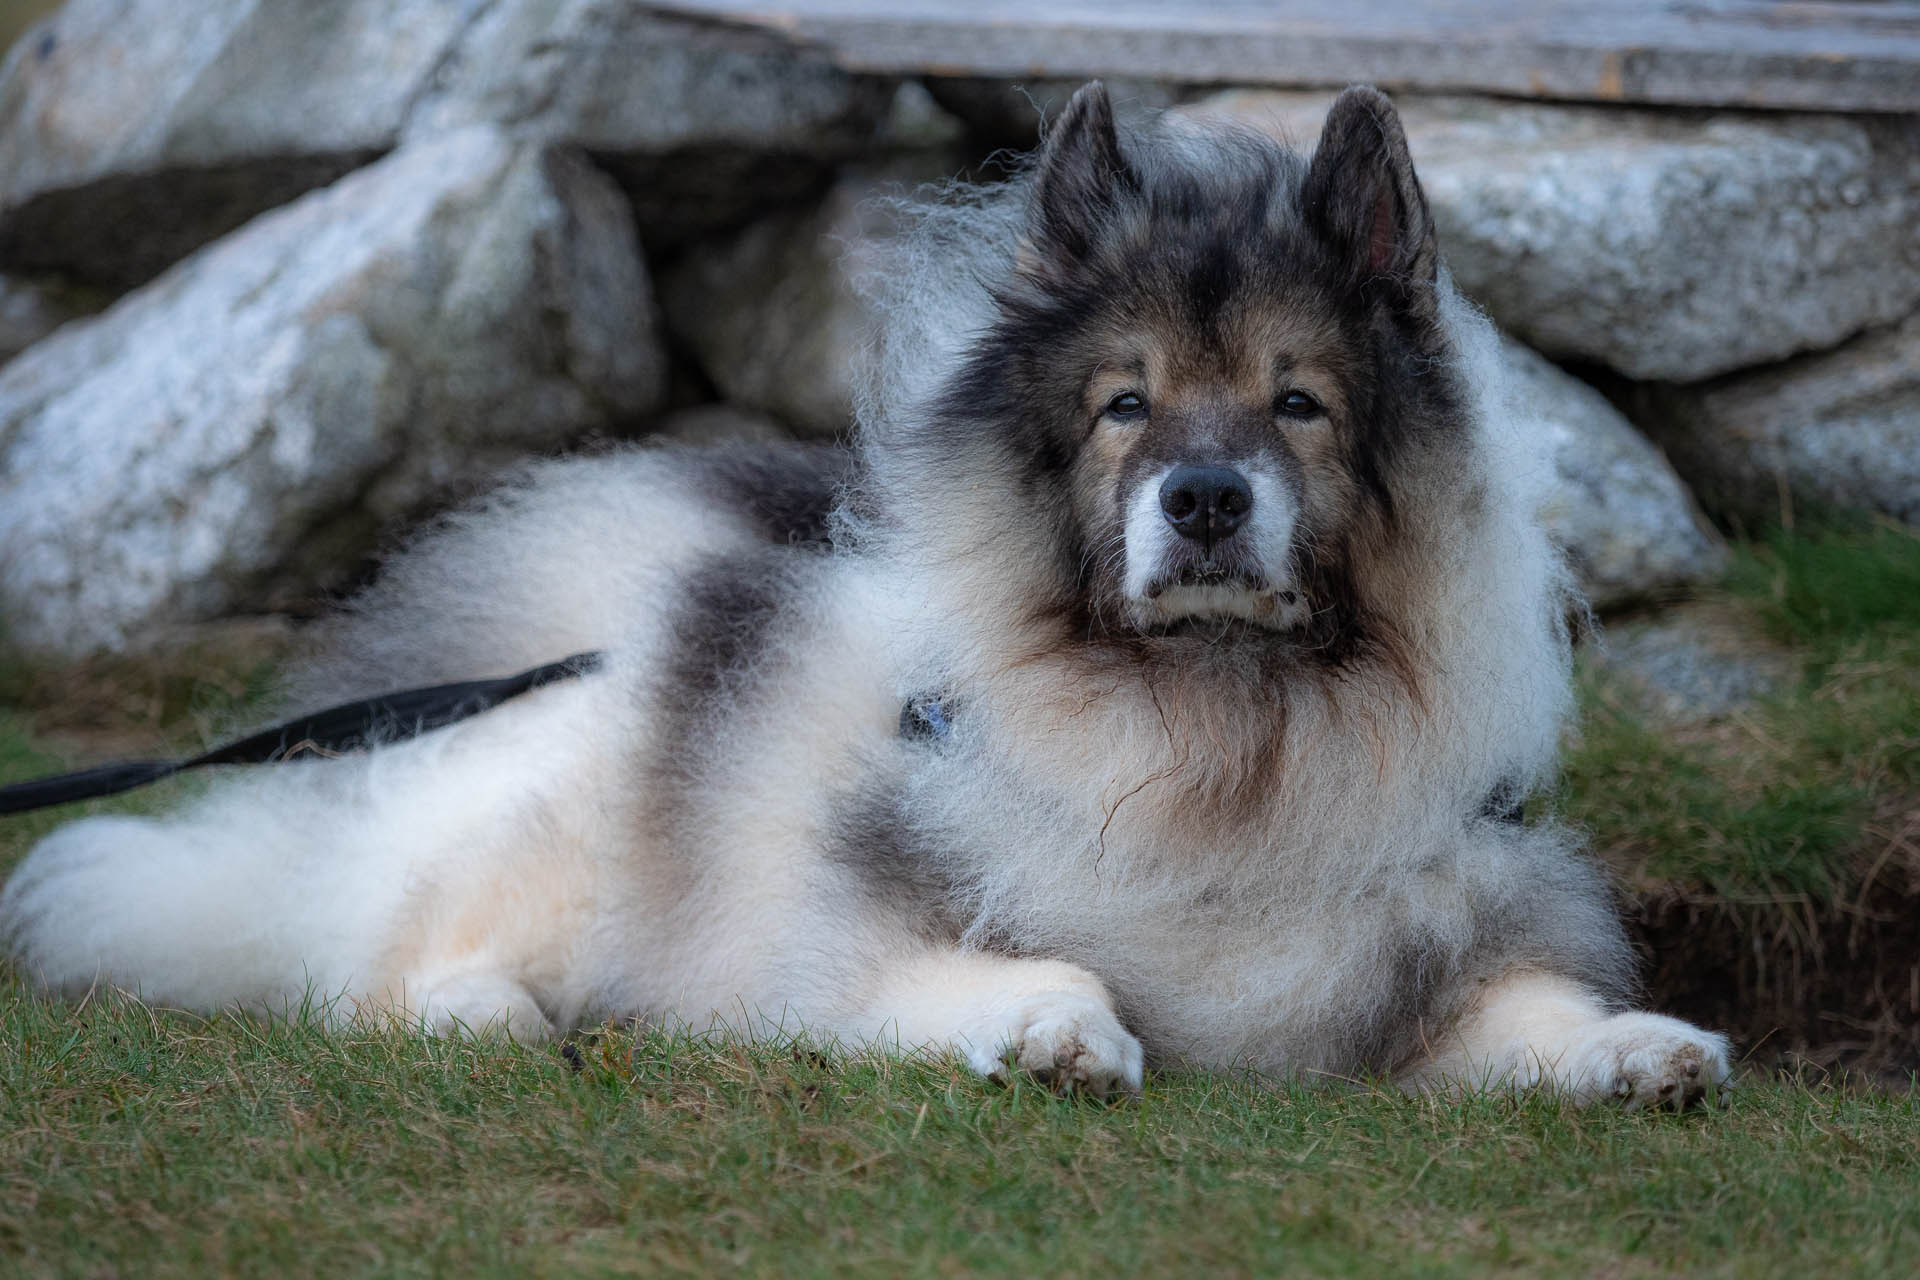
point(788, 489)
point(721, 633)
point(891, 863)
point(1555, 913)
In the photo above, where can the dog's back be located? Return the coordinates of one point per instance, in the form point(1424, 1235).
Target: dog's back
point(563, 557)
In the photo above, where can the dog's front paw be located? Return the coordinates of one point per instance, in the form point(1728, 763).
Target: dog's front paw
point(1645, 1060)
point(1069, 1041)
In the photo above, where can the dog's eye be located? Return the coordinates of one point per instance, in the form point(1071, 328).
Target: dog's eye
point(1296, 404)
point(1127, 405)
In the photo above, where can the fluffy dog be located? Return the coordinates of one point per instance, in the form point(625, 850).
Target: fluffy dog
point(1161, 687)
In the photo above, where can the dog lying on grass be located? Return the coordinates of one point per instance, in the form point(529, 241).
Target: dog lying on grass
point(1159, 682)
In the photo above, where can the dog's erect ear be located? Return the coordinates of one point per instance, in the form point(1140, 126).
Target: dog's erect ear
point(1079, 178)
point(1362, 196)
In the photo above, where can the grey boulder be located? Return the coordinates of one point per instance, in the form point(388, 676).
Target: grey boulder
point(1668, 245)
point(772, 312)
point(703, 124)
point(1695, 663)
point(1627, 522)
point(1835, 430)
point(30, 310)
point(133, 131)
point(228, 435)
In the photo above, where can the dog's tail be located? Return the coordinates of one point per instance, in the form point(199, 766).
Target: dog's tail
point(319, 878)
point(191, 913)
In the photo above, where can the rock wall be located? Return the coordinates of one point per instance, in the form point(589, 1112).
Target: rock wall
point(276, 279)
point(258, 409)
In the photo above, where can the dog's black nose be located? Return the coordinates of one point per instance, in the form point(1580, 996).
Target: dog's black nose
point(1205, 503)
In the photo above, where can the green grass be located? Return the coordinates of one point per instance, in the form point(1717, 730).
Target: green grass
point(1831, 589)
point(132, 1141)
point(1800, 797)
point(142, 1142)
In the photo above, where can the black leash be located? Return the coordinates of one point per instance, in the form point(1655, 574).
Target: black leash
point(394, 717)
point(352, 726)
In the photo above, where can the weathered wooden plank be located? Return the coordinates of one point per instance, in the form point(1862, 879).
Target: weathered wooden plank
point(1840, 55)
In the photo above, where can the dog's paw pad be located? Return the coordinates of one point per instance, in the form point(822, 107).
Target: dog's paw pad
point(1646, 1060)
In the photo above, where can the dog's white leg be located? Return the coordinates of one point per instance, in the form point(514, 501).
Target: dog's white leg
point(1534, 1029)
point(1053, 1019)
point(479, 1003)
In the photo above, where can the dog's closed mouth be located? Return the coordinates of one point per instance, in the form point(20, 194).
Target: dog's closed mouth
point(1202, 601)
point(1209, 576)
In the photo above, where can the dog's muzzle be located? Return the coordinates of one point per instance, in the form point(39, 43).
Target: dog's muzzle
point(1211, 540)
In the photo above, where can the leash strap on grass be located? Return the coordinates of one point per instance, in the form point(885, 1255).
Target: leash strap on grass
point(387, 717)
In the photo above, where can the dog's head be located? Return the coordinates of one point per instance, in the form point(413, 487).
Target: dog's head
point(1207, 362)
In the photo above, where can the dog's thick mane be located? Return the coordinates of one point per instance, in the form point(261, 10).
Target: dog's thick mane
point(1450, 601)
point(1294, 781)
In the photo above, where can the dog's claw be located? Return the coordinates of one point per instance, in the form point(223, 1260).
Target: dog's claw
point(1069, 1043)
point(1647, 1060)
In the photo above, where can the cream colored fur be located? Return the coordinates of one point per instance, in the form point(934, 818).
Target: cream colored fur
point(1526, 1030)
